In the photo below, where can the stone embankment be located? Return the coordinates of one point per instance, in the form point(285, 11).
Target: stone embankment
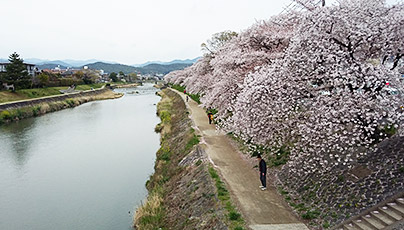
point(185, 192)
point(14, 111)
point(331, 198)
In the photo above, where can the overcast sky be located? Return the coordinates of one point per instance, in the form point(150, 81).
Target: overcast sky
point(125, 31)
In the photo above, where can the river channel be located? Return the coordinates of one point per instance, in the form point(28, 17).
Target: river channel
point(79, 168)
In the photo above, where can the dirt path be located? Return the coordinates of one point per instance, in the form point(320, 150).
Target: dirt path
point(263, 210)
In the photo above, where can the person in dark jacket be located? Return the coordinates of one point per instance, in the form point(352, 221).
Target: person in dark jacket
point(263, 172)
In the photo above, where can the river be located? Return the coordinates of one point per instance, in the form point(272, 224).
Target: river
point(79, 168)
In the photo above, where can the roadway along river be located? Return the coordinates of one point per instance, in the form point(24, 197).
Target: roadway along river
point(80, 168)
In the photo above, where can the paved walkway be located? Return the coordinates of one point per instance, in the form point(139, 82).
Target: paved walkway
point(263, 210)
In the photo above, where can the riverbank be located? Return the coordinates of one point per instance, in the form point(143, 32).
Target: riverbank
point(125, 85)
point(185, 192)
point(25, 94)
point(14, 111)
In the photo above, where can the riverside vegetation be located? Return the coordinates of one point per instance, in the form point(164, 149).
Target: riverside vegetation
point(23, 94)
point(15, 114)
point(185, 192)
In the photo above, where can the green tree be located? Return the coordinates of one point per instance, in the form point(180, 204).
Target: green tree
point(79, 75)
point(113, 76)
point(133, 77)
point(16, 72)
point(90, 77)
point(43, 79)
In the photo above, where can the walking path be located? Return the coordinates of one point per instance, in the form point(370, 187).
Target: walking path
point(263, 210)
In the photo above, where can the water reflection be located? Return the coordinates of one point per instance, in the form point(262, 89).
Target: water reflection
point(17, 141)
point(82, 168)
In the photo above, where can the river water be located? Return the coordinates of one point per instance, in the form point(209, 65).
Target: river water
point(79, 168)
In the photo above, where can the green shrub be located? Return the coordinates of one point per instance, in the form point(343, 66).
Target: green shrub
point(70, 102)
point(5, 115)
point(165, 116)
point(195, 97)
point(178, 87)
point(340, 178)
point(213, 173)
point(164, 154)
point(19, 113)
point(36, 110)
point(234, 215)
point(213, 111)
point(311, 214)
point(158, 128)
point(194, 141)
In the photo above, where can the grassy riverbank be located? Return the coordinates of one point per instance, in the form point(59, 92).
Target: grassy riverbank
point(23, 94)
point(184, 192)
point(10, 115)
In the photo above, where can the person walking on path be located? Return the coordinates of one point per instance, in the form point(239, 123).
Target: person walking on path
point(263, 172)
point(210, 116)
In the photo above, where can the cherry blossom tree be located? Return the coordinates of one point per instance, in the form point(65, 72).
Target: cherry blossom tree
point(319, 82)
point(327, 99)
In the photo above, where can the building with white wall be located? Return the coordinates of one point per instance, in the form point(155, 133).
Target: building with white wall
point(31, 69)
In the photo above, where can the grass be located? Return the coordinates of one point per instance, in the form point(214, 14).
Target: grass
point(177, 141)
point(165, 116)
point(311, 214)
point(223, 194)
point(192, 142)
point(89, 86)
point(40, 92)
point(23, 94)
point(151, 213)
point(170, 111)
point(195, 97)
point(178, 87)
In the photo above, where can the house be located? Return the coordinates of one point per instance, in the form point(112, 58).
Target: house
point(31, 69)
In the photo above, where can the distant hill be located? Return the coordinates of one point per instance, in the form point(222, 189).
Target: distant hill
point(52, 63)
point(162, 69)
point(65, 62)
point(186, 61)
point(148, 69)
point(109, 68)
point(51, 66)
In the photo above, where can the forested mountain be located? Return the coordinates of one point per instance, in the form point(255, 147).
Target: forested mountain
point(177, 61)
point(109, 68)
point(161, 69)
point(51, 66)
point(148, 69)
